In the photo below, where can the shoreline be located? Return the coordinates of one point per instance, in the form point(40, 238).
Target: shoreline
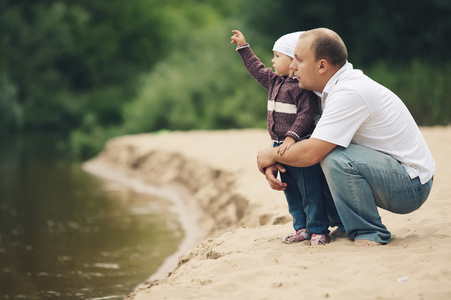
point(241, 254)
point(188, 221)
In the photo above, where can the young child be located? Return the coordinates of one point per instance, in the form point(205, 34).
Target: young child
point(291, 117)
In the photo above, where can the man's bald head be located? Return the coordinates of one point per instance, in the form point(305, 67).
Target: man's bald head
point(327, 44)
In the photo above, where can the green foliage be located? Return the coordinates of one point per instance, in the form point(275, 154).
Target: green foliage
point(424, 89)
point(56, 53)
point(11, 115)
point(201, 86)
point(202, 83)
point(100, 69)
point(86, 144)
point(396, 31)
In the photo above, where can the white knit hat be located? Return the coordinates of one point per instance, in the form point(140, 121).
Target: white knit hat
point(286, 43)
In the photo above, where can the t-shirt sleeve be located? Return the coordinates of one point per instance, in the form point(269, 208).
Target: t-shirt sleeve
point(344, 112)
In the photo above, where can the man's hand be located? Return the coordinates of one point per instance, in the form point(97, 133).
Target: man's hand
point(271, 176)
point(238, 38)
point(302, 154)
point(265, 158)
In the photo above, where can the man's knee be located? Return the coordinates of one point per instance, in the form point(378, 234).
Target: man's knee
point(334, 160)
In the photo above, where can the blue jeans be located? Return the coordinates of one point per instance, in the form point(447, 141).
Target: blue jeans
point(362, 179)
point(304, 193)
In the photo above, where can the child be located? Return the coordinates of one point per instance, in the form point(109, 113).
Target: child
point(291, 114)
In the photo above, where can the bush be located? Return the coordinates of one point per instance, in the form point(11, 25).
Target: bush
point(424, 89)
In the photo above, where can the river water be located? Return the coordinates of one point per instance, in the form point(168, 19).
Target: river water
point(67, 234)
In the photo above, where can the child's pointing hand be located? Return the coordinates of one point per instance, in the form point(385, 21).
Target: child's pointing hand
point(238, 38)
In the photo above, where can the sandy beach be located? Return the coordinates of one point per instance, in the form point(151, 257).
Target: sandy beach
point(240, 254)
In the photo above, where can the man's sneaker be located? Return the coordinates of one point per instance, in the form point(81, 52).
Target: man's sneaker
point(319, 239)
point(299, 236)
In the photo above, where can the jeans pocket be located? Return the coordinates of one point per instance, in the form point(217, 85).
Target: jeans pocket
point(404, 201)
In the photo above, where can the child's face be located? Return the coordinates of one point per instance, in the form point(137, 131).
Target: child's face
point(281, 64)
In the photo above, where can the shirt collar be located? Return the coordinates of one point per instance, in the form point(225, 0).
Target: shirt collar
point(333, 81)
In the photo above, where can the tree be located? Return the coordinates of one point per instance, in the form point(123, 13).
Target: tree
point(66, 59)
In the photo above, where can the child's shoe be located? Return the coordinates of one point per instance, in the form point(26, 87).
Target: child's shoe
point(299, 236)
point(319, 239)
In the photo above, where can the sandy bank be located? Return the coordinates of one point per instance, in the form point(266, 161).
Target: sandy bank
point(241, 257)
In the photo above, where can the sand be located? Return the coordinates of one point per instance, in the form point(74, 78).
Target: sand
point(239, 254)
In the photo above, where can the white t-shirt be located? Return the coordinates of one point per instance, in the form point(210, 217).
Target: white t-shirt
point(358, 110)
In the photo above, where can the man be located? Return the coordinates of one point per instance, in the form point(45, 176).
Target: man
point(370, 148)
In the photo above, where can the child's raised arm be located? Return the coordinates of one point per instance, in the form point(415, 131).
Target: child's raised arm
point(238, 38)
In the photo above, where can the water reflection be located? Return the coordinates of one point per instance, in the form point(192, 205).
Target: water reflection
point(65, 234)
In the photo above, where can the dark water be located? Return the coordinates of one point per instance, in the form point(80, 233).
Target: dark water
point(66, 234)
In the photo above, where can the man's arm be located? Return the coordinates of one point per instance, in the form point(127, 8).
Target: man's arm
point(304, 153)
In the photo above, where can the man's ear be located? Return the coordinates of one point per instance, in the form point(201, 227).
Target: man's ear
point(323, 65)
